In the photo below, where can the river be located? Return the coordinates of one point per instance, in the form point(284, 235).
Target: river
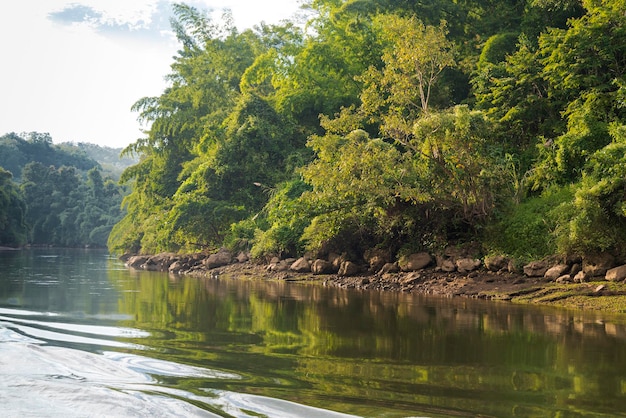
point(82, 336)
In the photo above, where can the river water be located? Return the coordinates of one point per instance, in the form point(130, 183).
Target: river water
point(82, 336)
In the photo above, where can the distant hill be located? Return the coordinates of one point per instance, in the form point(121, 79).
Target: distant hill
point(17, 150)
point(108, 158)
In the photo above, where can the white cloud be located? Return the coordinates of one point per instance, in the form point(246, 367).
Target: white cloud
point(77, 80)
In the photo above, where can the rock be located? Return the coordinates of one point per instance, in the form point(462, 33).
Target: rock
point(281, 265)
point(348, 268)
point(415, 261)
point(616, 274)
point(465, 265)
point(448, 266)
point(581, 277)
point(320, 266)
point(301, 265)
point(221, 258)
point(377, 258)
point(600, 288)
point(136, 261)
point(496, 262)
point(576, 268)
point(149, 265)
point(555, 272)
point(389, 268)
point(512, 267)
point(176, 267)
point(454, 252)
point(535, 269)
point(566, 278)
point(336, 260)
point(243, 257)
point(411, 278)
point(598, 264)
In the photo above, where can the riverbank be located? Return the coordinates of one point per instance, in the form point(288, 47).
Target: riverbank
point(592, 293)
point(598, 295)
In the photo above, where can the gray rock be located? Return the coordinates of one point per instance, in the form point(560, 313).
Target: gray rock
point(377, 258)
point(336, 260)
point(616, 274)
point(389, 268)
point(465, 265)
point(320, 266)
point(535, 269)
point(412, 278)
point(597, 265)
point(221, 258)
point(301, 265)
point(555, 272)
point(496, 262)
point(448, 266)
point(581, 277)
point(415, 261)
point(348, 268)
point(136, 261)
point(566, 278)
point(242, 257)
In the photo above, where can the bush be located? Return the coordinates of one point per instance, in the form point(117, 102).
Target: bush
point(527, 230)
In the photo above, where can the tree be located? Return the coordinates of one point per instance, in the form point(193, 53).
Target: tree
point(12, 210)
point(414, 57)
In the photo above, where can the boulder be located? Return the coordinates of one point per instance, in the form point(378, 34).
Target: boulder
point(576, 268)
point(555, 272)
point(320, 266)
point(336, 260)
point(389, 268)
point(301, 265)
point(136, 261)
point(221, 258)
point(536, 269)
point(280, 265)
point(512, 267)
point(415, 261)
point(566, 278)
point(465, 265)
point(243, 257)
point(162, 261)
point(581, 277)
point(348, 268)
point(496, 262)
point(377, 258)
point(176, 267)
point(616, 274)
point(412, 278)
point(448, 266)
point(597, 265)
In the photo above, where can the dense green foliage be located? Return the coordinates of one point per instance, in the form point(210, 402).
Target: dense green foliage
point(398, 125)
point(62, 197)
point(18, 150)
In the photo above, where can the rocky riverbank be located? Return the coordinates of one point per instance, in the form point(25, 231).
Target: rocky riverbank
point(596, 283)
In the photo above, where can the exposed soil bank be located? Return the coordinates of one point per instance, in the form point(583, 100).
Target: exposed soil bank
point(595, 295)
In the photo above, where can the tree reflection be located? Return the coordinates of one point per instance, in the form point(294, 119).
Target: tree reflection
point(367, 351)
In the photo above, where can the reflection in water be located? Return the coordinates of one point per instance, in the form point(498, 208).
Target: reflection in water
point(221, 347)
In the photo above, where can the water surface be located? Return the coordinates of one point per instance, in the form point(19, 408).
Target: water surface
point(80, 335)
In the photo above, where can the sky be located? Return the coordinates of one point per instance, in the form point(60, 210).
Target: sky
point(73, 69)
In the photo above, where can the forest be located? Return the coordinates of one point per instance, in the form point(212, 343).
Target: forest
point(385, 124)
point(388, 124)
point(57, 195)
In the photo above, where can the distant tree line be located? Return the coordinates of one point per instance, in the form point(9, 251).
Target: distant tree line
point(58, 195)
